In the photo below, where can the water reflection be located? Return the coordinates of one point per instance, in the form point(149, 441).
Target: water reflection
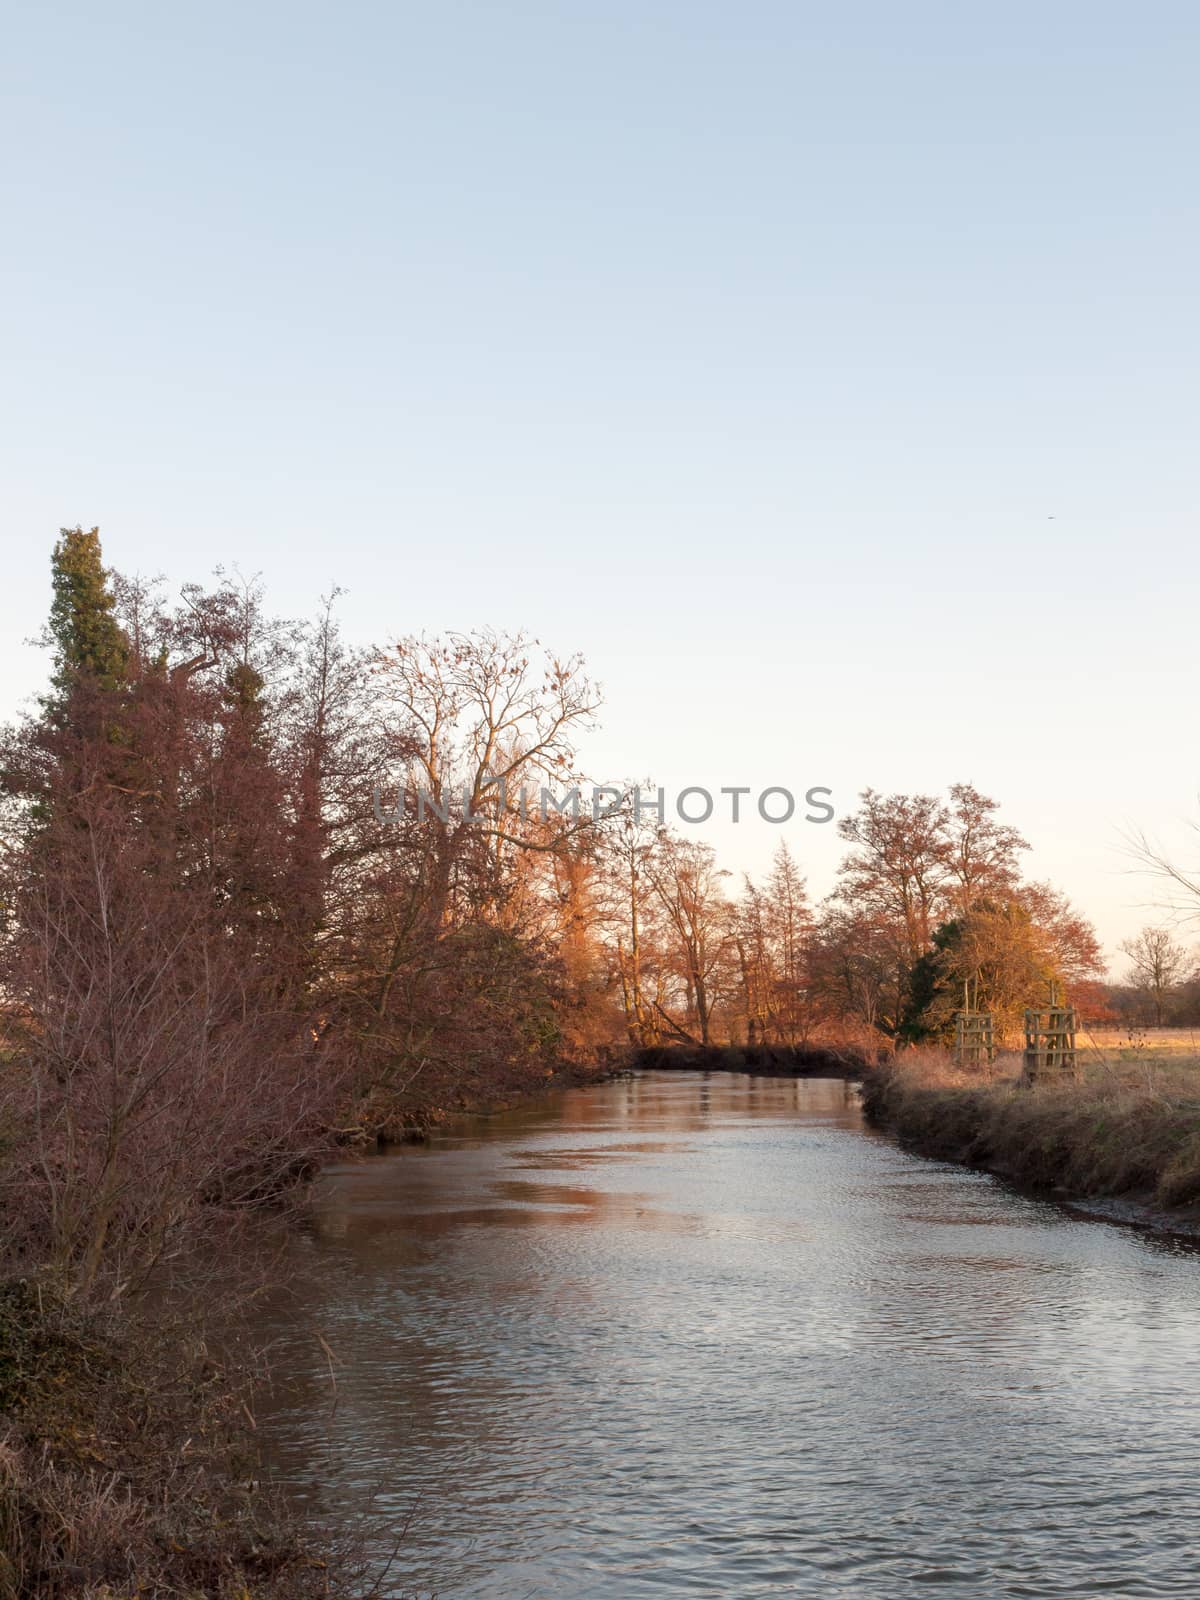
point(704, 1336)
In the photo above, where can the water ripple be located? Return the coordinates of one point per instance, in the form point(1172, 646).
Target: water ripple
point(706, 1336)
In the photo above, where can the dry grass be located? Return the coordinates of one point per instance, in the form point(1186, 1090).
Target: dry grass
point(1131, 1043)
point(1127, 1125)
point(124, 1469)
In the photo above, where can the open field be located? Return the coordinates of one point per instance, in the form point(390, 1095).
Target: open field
point(1128, 1043)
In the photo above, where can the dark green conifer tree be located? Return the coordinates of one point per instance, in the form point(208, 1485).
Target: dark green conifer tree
point(88, 641)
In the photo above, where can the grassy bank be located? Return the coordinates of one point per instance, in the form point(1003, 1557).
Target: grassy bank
point(1123, 1127)
point(127, 1467)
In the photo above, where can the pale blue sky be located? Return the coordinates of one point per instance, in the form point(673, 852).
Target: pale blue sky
point(750, 349)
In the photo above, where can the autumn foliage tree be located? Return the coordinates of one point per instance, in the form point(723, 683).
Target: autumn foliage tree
point(931, 909)
point(774, 928)
point(998, 956)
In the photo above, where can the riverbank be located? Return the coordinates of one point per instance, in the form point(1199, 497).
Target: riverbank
point(128, 1456)
point(763, 1060)
point(409, 1113)
point(127, 1464)
point(1122, 1131)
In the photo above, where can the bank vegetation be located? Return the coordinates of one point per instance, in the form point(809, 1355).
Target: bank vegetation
point(1125, 1125)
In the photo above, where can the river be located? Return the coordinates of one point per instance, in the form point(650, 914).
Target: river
point(706, 1335)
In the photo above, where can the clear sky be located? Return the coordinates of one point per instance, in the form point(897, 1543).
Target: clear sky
point(828, 374)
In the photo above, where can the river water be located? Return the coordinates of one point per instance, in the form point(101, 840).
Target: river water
point(706, 1335)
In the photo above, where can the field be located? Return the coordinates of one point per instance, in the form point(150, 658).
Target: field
point(1131, 1043)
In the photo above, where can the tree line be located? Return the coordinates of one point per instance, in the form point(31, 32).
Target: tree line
point(216, 960)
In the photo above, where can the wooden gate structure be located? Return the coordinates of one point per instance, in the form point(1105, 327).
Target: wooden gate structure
point(974, 1038)
point(1050, 1040)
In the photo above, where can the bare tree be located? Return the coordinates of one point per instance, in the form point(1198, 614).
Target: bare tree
point(789, 922)
point(756, 964)
point(897, 867)
point(629, 845)
point(688, 884)
point(474, 716)
point(858, 968)
point(1157, 964)
point(773, 931)
point(1180, 881)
